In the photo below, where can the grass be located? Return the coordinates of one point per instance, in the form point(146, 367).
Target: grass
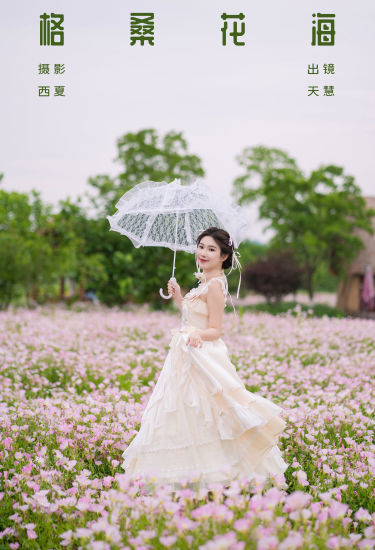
point(275, 308)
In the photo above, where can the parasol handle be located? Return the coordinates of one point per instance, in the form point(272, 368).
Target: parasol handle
point(173, 281)
point(173, 278)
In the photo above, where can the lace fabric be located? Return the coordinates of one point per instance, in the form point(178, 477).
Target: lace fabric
point(174, 214)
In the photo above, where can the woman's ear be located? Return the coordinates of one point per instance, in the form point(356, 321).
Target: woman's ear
point(225, 257)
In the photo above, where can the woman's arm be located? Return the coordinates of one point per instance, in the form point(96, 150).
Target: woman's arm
point(215, 305)
point(175, 290)
point(179, 305)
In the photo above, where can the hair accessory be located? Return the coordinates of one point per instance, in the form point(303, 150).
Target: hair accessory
point(236, 262)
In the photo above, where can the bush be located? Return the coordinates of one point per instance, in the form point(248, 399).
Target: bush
point(318, 310)
point(275, 276)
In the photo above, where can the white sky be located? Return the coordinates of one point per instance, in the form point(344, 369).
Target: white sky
point(223, 99)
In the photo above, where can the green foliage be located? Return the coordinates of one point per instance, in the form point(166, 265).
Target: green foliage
point(137, 274)
point(324, 280)
point(314, 215)
point(144, 156)
point(26, 257)
point(13, 266)
point(50, 247)
point(275, 308)
point(40, 249)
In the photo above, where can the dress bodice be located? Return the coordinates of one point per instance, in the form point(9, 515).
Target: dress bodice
point(194, 309)
point(194, 313)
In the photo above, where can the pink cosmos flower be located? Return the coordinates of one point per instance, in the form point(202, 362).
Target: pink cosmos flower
point(242, 524)
point(302, 477)
point(362, 515)
point(292, 541)
point(168, 540)
point(337, 510)
point(296, 501)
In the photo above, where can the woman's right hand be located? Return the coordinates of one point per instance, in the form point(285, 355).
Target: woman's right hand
point(175, 290)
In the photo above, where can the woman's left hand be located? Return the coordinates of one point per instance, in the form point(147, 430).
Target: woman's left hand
point(194, 339)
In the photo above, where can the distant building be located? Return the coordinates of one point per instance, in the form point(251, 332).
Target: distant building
point(350, 288)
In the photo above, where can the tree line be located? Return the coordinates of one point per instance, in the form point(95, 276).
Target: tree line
point(312, 216)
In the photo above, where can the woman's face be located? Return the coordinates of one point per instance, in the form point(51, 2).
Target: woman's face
point(208, 254)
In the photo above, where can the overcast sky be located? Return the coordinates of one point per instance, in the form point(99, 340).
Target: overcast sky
point(223, 98)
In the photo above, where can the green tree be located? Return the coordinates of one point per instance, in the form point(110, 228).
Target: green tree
point(42, 262)
point(313, 215)
point(144, 156)
point(26, 260)
point(14, 263)
point(137, 274)
point(63, 235)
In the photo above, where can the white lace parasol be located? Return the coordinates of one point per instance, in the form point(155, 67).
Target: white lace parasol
point(174, 214)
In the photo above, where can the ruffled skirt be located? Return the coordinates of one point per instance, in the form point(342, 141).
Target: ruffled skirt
point(200, 422)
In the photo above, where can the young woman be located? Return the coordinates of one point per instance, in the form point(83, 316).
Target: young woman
point(200, 421)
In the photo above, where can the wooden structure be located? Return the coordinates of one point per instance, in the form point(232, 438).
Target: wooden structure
point(350, 288)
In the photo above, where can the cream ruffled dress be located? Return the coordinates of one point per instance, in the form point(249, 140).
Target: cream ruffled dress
point(200, 421)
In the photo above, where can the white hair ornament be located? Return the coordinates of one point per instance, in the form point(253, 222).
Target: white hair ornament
point(236, 262)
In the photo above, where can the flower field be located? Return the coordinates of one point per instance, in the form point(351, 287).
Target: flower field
point(74, 385)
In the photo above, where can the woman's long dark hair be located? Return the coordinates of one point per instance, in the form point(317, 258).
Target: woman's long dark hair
point(222, 238)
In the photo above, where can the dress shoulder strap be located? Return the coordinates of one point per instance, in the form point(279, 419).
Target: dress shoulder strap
point(202, 288)
point(221, 279)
